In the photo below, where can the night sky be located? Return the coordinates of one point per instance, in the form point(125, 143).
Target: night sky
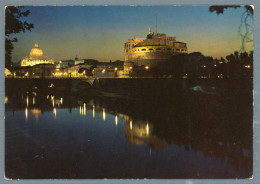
point(99, 32)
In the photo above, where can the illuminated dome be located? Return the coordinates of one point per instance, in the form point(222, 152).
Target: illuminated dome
point(36, 52)
point(36, 57)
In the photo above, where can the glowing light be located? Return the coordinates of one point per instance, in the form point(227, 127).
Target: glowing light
point(146, 67)
point(131, 125)
point(147, 129)
point(103, 71)
point(247, 66)
point(27, 101)
point(80, 110)
point(54, 112)
point(6, 99)
point(116, 120)
point(84, 111)
point(36, 113)
point(93, 70)
point(61, 100)
point(215, 65)
point(51, 85)
point(104, 114)
point(26, 113)
point(53, 104)
point(33, 100)
point(130, 68)
point(116, 69)
point(93, 111)
point(220, 76)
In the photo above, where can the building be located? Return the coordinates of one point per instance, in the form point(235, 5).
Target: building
point(105, 72)
point(8, 73)
point(69, 63)
point(36, 57)
point(65, 64)
point(152, 50)
point(79, 61)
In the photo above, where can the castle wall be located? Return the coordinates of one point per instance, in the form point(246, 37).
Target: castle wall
point(152, 55)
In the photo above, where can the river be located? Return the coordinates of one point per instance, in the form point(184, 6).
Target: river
point(203, 130)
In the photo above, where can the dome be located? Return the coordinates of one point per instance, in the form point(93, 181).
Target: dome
point(36, 52)
point(7, 72)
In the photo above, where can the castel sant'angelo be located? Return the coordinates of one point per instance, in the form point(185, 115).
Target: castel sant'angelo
point(152, 50)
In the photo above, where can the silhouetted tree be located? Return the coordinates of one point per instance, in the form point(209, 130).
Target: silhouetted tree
point(196, 65)
point(13, 25)
point(220, 9)
point(244, 25)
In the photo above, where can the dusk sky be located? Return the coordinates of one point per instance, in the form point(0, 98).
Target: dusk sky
point(99, 32)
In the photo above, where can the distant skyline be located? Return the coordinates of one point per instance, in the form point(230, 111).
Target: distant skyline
point(99, 32)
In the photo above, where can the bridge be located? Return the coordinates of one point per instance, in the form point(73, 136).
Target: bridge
point(49, 83)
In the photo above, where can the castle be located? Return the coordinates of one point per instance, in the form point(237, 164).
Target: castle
point(152, 50)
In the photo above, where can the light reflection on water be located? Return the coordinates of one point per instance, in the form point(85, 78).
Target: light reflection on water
point(26, 113)
point(116, 120)
point(137, 132)
point(104, 114)
point(72, 133)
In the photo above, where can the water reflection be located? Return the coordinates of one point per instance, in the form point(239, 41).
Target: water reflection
point(26, 113)
point(27, 101)
point(131, 124)
point(116, 120)
point(190, 123)
point(104, 114)
point(6, 99)
point(84, 110)
point(55, 112)
point(93, 111)
point(36, 112)
point(53, 102)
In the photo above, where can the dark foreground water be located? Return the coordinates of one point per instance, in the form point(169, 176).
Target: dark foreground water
point(195, 130)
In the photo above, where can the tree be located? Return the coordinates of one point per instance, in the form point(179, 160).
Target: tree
point(245, 29)
point(13, 25)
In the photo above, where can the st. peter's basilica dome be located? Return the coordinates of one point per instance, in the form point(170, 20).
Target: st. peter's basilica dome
point(36, 52)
